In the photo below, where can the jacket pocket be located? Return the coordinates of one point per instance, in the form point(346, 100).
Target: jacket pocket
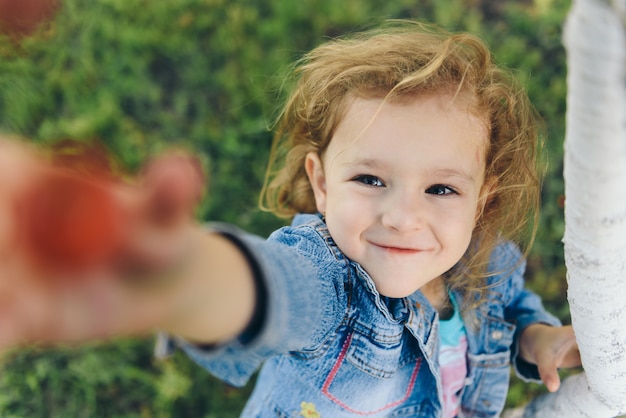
point(368, 378)
point(489, 371)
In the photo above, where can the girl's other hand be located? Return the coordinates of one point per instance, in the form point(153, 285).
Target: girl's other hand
point(550, 348)
point(52, 292)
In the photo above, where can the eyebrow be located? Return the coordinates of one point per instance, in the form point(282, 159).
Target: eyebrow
point(450, 172)
point(367, 163)
point(441, 172)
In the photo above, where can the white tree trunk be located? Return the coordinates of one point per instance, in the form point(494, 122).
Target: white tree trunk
point(595, 212)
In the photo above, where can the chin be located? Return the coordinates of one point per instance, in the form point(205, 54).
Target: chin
point(395, 293)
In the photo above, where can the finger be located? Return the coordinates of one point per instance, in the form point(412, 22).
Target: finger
point(170, 189)
point(566, 352)
point(15, 158)
point(572, 358)
point(551, 379)
point(71, 311)
point(548, 372)
point(22, 311)
point(9, 331)
point(175, 185)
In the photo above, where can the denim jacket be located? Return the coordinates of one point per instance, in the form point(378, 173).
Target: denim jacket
point(330, 344)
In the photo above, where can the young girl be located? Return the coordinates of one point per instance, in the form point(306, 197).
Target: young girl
point(409, 161)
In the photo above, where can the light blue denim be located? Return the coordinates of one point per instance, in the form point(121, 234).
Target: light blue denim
point(331, 344)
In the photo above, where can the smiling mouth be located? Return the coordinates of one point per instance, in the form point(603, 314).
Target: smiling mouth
point(398, 250)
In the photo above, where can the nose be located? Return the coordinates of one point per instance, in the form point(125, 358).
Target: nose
point(404, 211)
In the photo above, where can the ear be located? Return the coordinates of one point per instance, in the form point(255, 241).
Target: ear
point(487, 192)
point(315, 171)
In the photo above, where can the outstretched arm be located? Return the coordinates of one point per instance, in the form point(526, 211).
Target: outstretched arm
point(171, 275)
point(216, 309)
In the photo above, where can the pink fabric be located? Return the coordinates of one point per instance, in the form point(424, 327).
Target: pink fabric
point(453, 364)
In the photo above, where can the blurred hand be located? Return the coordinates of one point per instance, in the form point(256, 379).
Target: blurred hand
point(550, 348)
point(68, 297)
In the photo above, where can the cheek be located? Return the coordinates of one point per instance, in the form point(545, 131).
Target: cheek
point(468, 231)
point(320, 204)
point(345, 219)
point(352, 208)
point(459, 229)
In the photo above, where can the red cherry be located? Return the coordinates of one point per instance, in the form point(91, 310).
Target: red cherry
point(69, 222)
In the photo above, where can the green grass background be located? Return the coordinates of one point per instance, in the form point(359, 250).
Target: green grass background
point(208, 74)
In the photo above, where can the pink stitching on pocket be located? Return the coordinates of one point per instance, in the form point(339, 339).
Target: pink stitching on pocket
point(335, 369)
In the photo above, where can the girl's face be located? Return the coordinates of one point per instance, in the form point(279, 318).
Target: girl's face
point(400, 185)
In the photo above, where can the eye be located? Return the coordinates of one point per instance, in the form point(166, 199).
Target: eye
point(441, 190)
point(369, 180)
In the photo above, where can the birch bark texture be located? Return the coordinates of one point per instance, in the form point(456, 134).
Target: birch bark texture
point(595, 212)
point(595, 193)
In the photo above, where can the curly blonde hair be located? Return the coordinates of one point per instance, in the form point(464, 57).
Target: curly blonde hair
point(400, 60)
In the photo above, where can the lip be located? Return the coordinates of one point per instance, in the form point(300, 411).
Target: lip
point(398, 250)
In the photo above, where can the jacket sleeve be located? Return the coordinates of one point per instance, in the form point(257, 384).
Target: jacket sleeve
point(299, 301)
point(523, 307)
